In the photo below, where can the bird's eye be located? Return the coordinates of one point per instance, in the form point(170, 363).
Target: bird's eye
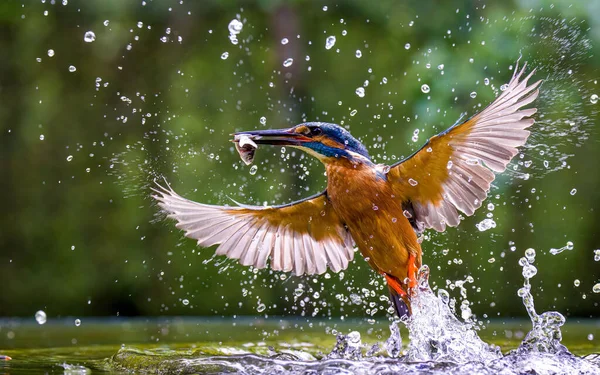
point(316, 131)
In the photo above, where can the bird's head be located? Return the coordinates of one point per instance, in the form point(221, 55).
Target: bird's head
point(320, 139)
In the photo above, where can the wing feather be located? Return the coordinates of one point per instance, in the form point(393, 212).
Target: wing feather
point(455, 169)
point(303, 237)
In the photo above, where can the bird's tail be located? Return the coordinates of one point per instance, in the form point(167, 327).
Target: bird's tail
point(401, 305)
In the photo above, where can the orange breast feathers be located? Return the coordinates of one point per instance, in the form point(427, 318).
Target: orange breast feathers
point(364, 200)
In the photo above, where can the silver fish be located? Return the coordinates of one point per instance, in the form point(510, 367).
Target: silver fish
point(246, 148)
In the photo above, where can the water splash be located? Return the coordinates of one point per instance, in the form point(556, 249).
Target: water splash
point(436, 334)
point(439, 344)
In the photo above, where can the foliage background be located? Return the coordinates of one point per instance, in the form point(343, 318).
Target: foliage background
point(80, 237)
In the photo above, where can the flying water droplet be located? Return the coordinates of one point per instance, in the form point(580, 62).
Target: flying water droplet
point(70, 157)
point(288, 62)
point(263, 120)
point(596, 288)
point(473, 95)
point(89, 37)
point(72, 68)
point(358, 54)
point(412, 182)
point(77, 322)
point(235, 26)
point(594, 99)
point(360, 92)
point(284, 41)
point(573, 191)
point(407, 46)
point(330, 42)
point(425, 88)
point(485, 224)
point(224, 56)
point(185, 302)
point(50, 53)
point(40, 317)
point(449, 164)
point(253, 170)
point(261, 307)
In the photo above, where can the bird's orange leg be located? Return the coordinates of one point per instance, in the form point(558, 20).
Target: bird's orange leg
point(394, 284)
point(412, 271)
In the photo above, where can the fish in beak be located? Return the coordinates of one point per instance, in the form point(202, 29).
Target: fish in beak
point(246, 143)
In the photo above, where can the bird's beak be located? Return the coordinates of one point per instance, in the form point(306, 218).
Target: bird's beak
point(275, 137)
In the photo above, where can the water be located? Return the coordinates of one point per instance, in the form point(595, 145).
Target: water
point(439, 343)
point(203, 344)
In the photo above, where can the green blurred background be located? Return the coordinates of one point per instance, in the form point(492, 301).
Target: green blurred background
point(154, 95)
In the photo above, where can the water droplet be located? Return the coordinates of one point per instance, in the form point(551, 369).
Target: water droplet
point(485, 224)
point(253, 170)
point(412, 182)
point(596, 288)
point(597, 255)
point(288, 62)
point(594, 99)
point(330, 42)
point(353, 112)
point(486, 81)
point(576, 282)
point(70, 157)
point(573, 191)
point(441, 67)
point(42, 137)
point(530, 255)
point(235, 27)
point(504, 87)
point(224, 55)
point(72, 68)
point(40, 317)
point(407, 46)
point(77, 322)
point(356, 299)
point(106, 22)
point(263, 120)
point(185, 302)
point(89, 37)
point(407, 214)
point(261, 307)
point(473, 95)
point(360, 92)
point(358, 54)
point(449, 164)
point(324, 8)
point(284, 41)
point(429, 149)
point(490, 206)
point(591, 336)
point(50, 53)
point(425, 88)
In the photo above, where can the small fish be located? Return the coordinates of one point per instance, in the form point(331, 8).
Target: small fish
point(246, 148)
point(5, 358)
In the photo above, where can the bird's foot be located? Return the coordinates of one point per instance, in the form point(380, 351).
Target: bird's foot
point(412, 272)
point(395, 284)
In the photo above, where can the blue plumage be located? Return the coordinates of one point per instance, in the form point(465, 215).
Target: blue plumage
point(340, 135)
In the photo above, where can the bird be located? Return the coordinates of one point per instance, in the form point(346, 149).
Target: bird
point(380, 209)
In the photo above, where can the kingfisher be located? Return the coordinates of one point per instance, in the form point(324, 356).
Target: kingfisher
point(380, 209)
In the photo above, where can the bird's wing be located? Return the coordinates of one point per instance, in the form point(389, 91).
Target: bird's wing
point(454, 169)
point(303, 237)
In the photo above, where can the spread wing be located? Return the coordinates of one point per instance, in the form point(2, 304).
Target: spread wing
point(303, 237)
point(454, 169)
